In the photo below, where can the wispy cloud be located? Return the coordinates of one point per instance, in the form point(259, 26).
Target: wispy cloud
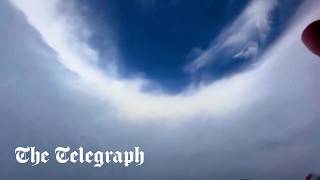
point(242, 39)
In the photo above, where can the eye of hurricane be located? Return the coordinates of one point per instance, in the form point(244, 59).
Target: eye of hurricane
point(178, 45)
point(68, 35)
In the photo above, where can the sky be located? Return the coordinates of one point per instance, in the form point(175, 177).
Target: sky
point(159, 39)
point(209, 89)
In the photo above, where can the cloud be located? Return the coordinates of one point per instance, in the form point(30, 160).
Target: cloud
point(247, 52)
point(273, 138)
point(242, 38)
point(217, 100)
point(59, 31)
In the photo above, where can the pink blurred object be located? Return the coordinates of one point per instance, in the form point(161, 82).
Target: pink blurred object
point(311, 37)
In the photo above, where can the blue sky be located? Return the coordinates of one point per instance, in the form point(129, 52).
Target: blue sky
point(222, 90)
point(157, 39)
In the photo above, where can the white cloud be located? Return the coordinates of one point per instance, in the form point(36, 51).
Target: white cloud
point(215, 100)
point(251, 27)
point(257, 140)
point(247, 52)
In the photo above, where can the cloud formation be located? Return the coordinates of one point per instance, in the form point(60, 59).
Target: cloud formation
point(275, 137)
point(242, 39)
point(61, 33)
